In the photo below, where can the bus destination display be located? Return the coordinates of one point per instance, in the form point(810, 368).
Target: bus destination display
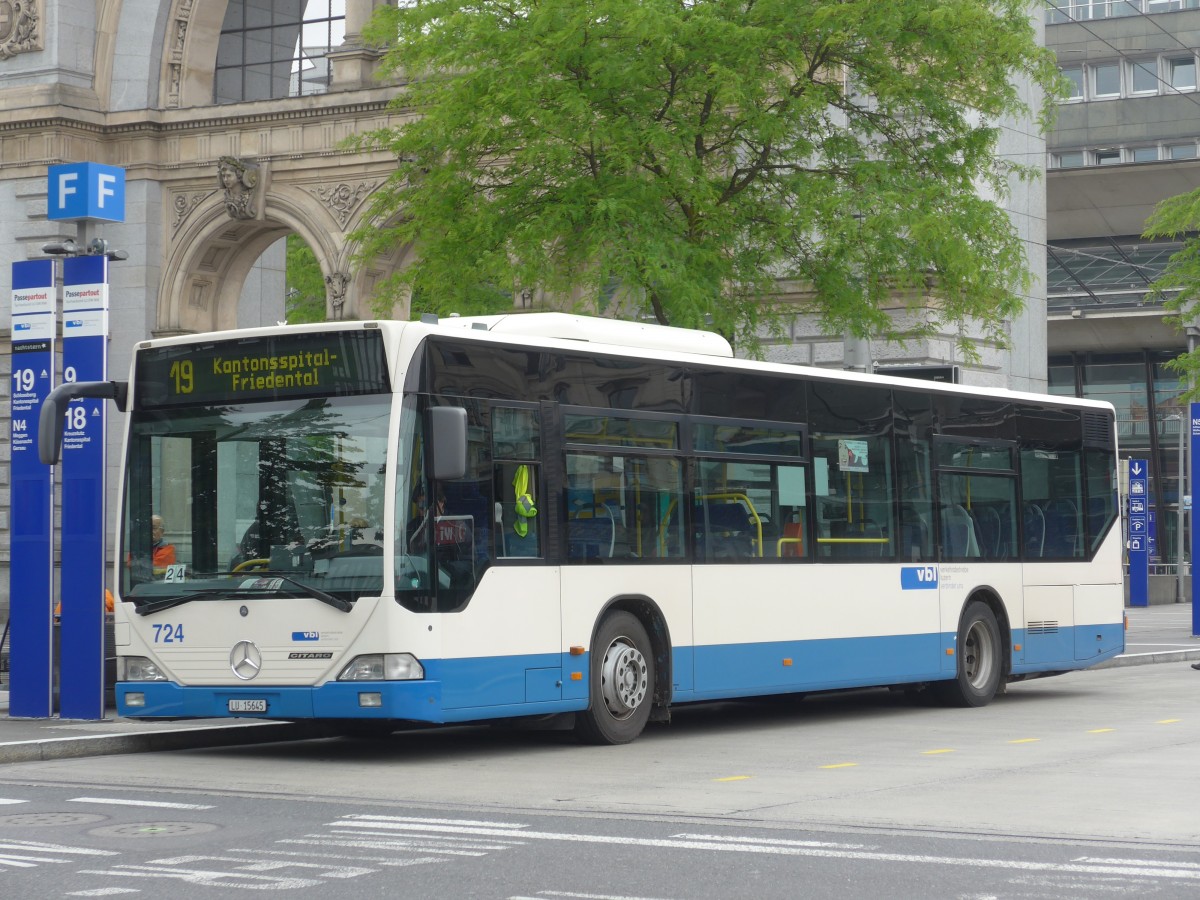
point(301, 365)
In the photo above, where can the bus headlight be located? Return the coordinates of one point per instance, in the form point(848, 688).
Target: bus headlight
point(383, 667)
point(138, 668)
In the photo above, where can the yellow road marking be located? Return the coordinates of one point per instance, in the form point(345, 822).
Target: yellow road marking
point(840, 766)
point(1167, 721)
point(1101, 730)
point(1025, 741)
point(932, 752)
point(733, 778)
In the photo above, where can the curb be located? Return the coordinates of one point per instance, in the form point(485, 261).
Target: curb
point(151, 741)
point(1147, 659)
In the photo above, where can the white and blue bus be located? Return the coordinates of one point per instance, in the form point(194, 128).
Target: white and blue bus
point(551, 515)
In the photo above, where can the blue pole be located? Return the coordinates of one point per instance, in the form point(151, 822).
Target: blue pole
point(31, 500)
point(85, 355)
point(1139, 538)
point(1193, 475)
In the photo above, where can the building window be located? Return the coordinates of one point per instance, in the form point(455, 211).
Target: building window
point(1107, 157)
point(1069, 159)
point(1143, 76)
point(1143, 154)
point(270, 49)
point(1182, 151)
point(1106, 80)
point(1074, 74)
point(1183, 73)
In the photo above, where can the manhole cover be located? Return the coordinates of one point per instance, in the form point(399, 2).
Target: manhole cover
point(50, 819)
point(153, 829)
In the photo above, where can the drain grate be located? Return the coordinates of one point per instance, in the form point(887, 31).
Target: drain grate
point(153, 829)
point(50, 819)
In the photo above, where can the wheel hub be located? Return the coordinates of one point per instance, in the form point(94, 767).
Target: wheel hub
point(624, 678)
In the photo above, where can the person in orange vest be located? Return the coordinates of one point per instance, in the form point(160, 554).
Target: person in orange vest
point(108, 604)
point(164, 553)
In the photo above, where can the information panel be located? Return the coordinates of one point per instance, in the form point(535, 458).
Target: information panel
point(1194, 481)
point(85, 358)
point(31, 500)
point(266, 368)
point(1139, 540)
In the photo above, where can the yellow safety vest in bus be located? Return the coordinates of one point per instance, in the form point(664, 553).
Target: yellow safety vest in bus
point(524, 505)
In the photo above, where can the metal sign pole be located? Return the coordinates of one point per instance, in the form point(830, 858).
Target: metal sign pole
point(1139, 543)
point(85, 358)
point(31, 499)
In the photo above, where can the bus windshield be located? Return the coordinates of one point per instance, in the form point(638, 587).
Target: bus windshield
point(268, 498)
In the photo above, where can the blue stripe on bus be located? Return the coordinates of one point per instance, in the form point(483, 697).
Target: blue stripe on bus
point(464, 690)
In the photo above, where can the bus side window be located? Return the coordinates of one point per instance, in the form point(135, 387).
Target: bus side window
point(517, 516)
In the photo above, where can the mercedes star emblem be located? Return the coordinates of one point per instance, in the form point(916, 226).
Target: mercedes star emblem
point(245, 659)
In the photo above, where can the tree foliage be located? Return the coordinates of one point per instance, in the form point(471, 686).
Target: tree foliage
point(694, 152)
point(1179, 285)
point(305, 301)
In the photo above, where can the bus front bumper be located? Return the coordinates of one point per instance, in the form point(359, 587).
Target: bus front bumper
point(419, 701)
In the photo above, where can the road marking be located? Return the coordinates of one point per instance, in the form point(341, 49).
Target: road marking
point(1025, 741)
point(1137, 862)
point(104, 892)
point(935, 752)
point(380, 860)
point(1153, 869)
point(840, 766)
point(734, 778)
point(158, 804)
point(1101, 730)
point(776, 842)
point(573, 896)
point(4, 801)
point(38, 847)
point(1167, 721)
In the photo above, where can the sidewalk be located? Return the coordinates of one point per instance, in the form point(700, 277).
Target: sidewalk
point(1156, 634)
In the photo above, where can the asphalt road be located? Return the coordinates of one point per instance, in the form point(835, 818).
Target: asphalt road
point(1083, 785)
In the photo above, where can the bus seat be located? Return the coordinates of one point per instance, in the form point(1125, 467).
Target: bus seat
point(793, 545)
point(590, 538)
point(1034, 522)
point(991, 533)
point(1062, 528)
point(959, 539)
point(914, 533)
point(724, 530)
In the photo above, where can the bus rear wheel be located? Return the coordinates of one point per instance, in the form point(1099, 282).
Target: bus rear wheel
point(979, 666)
point(621, 684)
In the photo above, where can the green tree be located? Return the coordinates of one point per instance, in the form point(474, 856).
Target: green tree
point(694, 152)
point(1178, 218)
point(305, 300)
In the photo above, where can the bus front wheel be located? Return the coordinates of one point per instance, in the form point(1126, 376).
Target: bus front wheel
point(622, 682)
point(979, 665)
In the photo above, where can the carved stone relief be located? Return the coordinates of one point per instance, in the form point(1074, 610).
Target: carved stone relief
point(344, 198)
point(241, 183)
point(175, 51)
point(336, 285)
point(20, 27)
point(183, 204)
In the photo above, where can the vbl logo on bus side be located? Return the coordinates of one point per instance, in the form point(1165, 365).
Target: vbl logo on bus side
point(919, 578)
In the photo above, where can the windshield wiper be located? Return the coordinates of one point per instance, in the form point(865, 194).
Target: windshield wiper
point(152, 606)
point(306, 589)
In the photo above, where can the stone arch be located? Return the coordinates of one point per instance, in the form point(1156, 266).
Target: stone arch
point(206, 267)
point(211, 254)
point(193, 30)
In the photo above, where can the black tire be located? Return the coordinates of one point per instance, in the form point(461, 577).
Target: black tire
point(622, 682)
point(979, 661)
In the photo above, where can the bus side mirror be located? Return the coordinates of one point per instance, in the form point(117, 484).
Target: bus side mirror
point(448, 430)
point(50, 422)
